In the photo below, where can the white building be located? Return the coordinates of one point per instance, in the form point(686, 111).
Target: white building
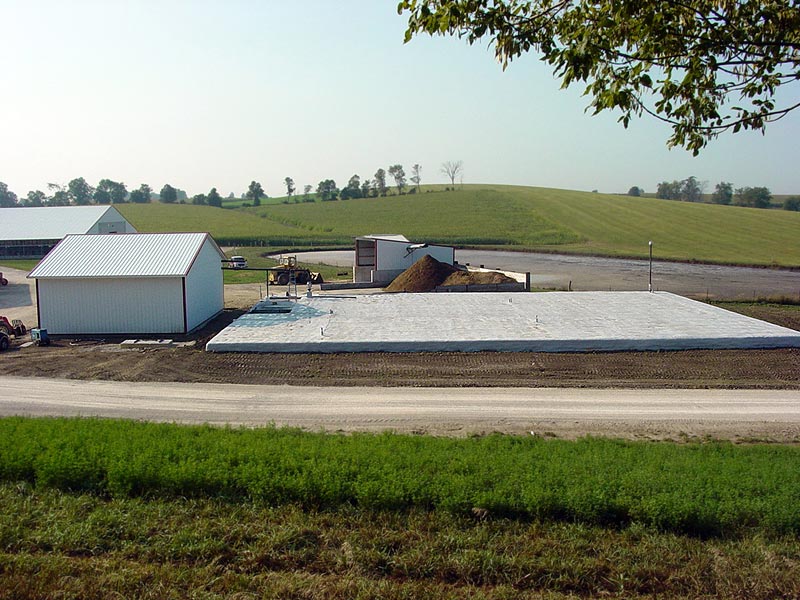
point(379, 258)
point(141, 283)
point(32, 232)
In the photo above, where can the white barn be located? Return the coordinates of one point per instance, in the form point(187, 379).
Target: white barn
point(143, 283)
point(31, 232)
point(379, 258)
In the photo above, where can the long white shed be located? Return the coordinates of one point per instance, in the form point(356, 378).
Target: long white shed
point(31, 232)
point(379, 258)
point(141, 283)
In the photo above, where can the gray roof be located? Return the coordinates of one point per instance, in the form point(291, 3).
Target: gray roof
point(50, 222)
point(123, 255)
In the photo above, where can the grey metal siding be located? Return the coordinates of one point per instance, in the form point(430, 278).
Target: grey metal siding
point(124, 306)
point(204, 290)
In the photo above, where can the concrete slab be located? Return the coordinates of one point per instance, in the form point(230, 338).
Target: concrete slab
point(546, 322)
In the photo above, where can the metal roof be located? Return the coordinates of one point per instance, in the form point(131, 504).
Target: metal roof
point(389, 237)
point(50, 222)
point(123, 255)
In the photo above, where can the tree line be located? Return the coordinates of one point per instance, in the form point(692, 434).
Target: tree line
point(693, 190)
point(79, 193)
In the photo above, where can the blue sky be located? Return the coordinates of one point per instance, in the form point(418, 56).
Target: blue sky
point(216, 94)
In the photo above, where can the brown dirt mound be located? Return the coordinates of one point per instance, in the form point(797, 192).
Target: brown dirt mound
point(423, 276)
point(476, 277)
point(427, 273)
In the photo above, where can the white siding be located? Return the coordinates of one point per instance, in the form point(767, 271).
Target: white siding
point(126, 306)
point(204, 291)
point(393, 255)
point(112, 222)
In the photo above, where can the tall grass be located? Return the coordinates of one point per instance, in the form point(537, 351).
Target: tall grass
point(702, 489)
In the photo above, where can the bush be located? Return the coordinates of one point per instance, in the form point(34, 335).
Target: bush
point(792, 203)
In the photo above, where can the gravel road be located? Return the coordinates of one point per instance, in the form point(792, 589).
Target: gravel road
point(657, 414)
point(591, 273)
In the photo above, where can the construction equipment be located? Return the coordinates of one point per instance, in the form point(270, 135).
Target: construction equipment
point(14, 327)
point(3, 280)
point(5, 341)
point(287, 273)
point(40, 337)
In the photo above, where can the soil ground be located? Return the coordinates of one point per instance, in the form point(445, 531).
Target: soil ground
point(105, 359)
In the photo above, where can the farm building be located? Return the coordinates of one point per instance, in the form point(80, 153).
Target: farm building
point(141, 283)
point(379, 258)
point(32, 232)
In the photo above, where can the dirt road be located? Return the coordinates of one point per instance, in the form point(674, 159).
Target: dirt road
point(733, 414)
point(18, 298)
point(592, 273)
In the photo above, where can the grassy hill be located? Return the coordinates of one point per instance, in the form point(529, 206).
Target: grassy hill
point(512, 217)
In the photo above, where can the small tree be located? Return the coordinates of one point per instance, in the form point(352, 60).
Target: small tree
point(80, 192)
point(168, 194)
point(379, 185)
point(723, 193)
point(35, 198)
point(327, 190)
point(416, 175)
point(255, 192)
point(452, 169)
point(8, 198)
point(792, 203)
point(352, 189)
point(691, 189)
point(214, 199)
point(635, 191)
point(60, 195)
point(399, 175)
point(669, 190)
point(306, 191)
point(289, 186)
point(366, 185)
point(141, 195)
point(199, 200)
point(754, 197)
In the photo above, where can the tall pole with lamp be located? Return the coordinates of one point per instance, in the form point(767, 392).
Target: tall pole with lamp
point(650, 279)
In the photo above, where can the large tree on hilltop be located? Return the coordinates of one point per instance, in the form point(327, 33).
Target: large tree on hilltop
point(703, 66)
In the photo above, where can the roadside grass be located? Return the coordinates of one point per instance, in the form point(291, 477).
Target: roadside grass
point(56, 544)
point(713, 489)
point(23, 264)
point(510, 217)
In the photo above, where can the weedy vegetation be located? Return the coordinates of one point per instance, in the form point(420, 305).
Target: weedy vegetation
point(101, 508)
point(712, 489)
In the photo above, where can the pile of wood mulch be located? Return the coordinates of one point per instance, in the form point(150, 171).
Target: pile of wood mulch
point(428, 273)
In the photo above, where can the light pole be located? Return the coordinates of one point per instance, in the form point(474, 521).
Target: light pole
point(650, 279)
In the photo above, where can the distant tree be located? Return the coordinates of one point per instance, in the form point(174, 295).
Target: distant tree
point(306, 191)
point(416, 175)
point(723, 193)
point(327, 190)
point(199, 200)
point(399, 175)
point(231, 196)
point(289, 187)
point(754, 197)
point(36, 198)
point(452, 169)
point(691, 190)
point(366, 185)
point(60, 195)
point(669, 190)
point(168, 194)
point(141, 195)
point(352, 189)
point(214, 199)
point(379, 185)
point(792, 203)
point(80, 192)
point(635, 191)
point(109, 191)
point(8, 199)
point(255, 192)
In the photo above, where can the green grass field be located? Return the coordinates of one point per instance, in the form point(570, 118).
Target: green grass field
point(523, 218)
point(715, 489)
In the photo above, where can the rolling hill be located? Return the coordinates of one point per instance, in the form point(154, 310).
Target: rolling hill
point(511, 217)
